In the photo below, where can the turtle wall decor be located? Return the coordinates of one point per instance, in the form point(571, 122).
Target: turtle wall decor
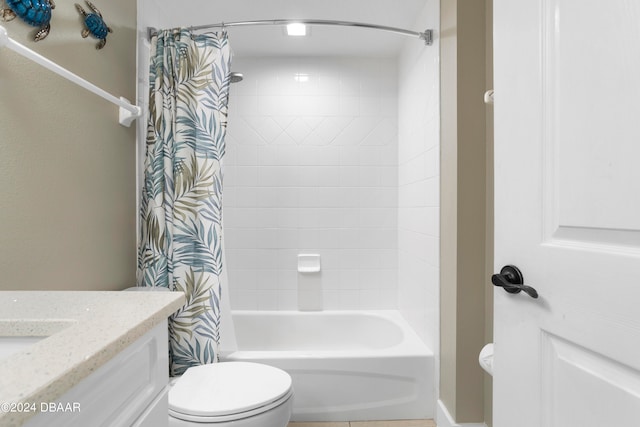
point(94, 24)
point(36, 13)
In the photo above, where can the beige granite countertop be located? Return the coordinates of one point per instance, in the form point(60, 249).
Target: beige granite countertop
point(85, 330)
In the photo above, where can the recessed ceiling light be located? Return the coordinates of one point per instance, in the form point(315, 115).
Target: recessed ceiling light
point(296, 29)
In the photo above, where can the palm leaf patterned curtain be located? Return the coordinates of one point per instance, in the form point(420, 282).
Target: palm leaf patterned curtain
point(181, 207)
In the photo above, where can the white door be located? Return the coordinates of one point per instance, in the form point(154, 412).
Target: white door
point(567, 212)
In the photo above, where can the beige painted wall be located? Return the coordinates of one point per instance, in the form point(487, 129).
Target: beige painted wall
point(67, 168)
point(464, 208)
point(448, 202)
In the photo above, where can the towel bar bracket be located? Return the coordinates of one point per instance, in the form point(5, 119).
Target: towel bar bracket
point(126, 117)
point(4, 37)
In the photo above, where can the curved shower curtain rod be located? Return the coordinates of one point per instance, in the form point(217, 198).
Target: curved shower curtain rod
point(426, 35)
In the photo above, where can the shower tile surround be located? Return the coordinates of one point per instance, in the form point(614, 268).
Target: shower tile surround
point(419, 183)
point(312, 167)
point(341, 157)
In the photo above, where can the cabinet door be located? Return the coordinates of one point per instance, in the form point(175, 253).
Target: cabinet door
point(118, 392)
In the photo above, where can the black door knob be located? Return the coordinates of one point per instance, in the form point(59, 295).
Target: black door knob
point(511, 280)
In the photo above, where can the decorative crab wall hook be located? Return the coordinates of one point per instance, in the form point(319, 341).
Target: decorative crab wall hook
point(36, 13)
point(94, 24)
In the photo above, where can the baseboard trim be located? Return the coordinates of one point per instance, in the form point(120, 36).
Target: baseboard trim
point(444, 419)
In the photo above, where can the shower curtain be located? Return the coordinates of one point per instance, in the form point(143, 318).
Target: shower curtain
point(181, 205)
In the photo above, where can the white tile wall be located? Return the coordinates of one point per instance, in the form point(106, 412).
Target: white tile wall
point(345, 164)
point(418, 183)
point(312, 167)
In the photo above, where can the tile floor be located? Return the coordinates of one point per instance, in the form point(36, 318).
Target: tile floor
point(402, 423)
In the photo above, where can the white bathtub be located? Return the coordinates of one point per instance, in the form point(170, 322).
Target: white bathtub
point(345, 365)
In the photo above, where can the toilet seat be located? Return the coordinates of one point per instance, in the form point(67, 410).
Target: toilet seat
point(228, 391)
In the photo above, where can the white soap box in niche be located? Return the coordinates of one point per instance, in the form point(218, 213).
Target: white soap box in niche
point(308, 263)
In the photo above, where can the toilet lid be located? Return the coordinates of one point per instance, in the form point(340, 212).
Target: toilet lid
point(227, 388)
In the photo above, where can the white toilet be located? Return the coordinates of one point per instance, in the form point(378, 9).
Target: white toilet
point(230, 394)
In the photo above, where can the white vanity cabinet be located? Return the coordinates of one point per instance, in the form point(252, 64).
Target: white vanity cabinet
point(129, 390)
